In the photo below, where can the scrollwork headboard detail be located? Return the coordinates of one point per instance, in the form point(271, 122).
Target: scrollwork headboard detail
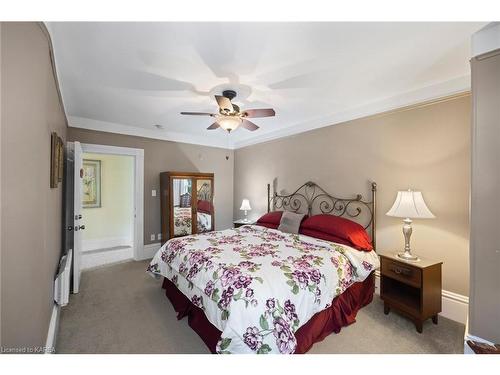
point(204, 193)
point(311, 199)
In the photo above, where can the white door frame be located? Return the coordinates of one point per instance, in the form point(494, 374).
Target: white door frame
point(138, 154)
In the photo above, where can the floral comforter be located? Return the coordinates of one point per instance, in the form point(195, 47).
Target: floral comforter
point(182, 221)
point(204, 222)
point(259, 285)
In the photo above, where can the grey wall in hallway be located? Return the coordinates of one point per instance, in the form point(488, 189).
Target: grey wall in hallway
point(31, 210)
point(484, 307)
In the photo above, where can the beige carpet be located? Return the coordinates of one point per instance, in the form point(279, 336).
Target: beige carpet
point(121, 309)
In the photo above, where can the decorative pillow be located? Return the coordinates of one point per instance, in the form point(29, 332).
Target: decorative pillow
point(185, 200)
point(205, 206)
point(340, 227)
point(271, 218)
point(290, 222)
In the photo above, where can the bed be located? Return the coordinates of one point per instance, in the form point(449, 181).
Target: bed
point(255, 289)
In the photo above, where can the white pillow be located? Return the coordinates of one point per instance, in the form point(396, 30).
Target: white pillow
point(290, 222)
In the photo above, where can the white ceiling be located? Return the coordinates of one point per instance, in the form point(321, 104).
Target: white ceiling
point(127, 77)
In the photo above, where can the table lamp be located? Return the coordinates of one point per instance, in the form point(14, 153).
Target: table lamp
point(245, 206)
point(409, 205)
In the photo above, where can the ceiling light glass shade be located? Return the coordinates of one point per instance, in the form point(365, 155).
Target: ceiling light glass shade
point(245, 205)
point(229, 123)
point(410, 204)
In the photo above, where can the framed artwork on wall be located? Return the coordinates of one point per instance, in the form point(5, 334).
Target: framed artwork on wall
point(91, 183)
point(56, 160)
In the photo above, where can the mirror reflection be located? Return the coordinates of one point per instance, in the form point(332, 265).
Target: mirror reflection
point(204, 207)
point(181, 190)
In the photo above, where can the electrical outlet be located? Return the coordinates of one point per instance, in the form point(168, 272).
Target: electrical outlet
point(153, 193)
point(152, 237)
point(159, 236)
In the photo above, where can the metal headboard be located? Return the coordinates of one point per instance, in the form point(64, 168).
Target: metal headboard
point(204, 192)
point(311, 199)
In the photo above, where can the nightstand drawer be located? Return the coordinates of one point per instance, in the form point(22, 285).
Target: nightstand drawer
point(406, 274)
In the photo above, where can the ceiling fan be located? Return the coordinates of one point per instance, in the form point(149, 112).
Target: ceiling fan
point(230, 116)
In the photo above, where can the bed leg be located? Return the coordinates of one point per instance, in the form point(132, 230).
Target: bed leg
point(387, 309)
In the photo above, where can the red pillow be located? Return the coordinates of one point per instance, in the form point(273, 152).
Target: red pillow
point(324, 236)
point(268, 225)
point(273, 217)
point(340, 228)
point(205, 206)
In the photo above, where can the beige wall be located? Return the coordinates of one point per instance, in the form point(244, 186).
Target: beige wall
point(161, 156)
point(114, 220)
point(425, 148)
point(31, 211)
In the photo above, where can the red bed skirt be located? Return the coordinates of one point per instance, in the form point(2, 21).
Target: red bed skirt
point(342, 313)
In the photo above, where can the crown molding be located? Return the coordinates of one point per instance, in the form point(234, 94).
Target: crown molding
point(111, 127)
point(426, 95)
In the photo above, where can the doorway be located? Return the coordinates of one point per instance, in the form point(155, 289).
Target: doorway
point(110, 208)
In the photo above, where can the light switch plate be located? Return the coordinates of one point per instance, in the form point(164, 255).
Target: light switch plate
point(153, 193)
point(159, 236)
point(152, 237)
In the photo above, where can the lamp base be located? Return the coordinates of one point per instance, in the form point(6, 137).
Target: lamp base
point(409, 257)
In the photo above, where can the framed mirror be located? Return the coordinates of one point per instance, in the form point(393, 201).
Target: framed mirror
point(187, 203)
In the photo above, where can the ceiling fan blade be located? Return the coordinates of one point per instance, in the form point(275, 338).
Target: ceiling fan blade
point(224, 103)
point(213, 126)
point(198, 114)
point(249, 125)
point(263, 112)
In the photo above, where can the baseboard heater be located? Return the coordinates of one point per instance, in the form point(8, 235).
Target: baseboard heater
point(63, 280)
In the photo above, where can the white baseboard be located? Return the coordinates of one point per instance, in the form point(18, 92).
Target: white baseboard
point(98, 258)
point(455, 306)
point(149, 250)
point(105, 243)
point(50, 343)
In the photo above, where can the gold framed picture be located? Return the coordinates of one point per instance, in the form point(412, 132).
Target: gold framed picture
point(56, 160)
point(91, 197)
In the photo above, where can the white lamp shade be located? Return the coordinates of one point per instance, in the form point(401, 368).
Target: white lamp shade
point(410, 204)
point(245, 205)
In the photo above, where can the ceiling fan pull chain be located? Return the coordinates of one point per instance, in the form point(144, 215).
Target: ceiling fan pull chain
point(228, 135)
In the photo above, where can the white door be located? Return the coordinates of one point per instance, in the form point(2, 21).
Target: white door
point(78, 226)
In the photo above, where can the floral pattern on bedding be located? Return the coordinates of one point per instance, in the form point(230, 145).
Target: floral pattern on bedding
point(204, 222)
point(259, 285)
point(182, 221)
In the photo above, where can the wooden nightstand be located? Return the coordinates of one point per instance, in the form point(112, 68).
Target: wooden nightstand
point(239, 223)
point(411, 288)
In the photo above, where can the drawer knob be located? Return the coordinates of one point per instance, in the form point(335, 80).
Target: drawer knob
point(401, 271)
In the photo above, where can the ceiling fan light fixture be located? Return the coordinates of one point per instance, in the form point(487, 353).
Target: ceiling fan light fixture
point(229, 123)
point(230, 116)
